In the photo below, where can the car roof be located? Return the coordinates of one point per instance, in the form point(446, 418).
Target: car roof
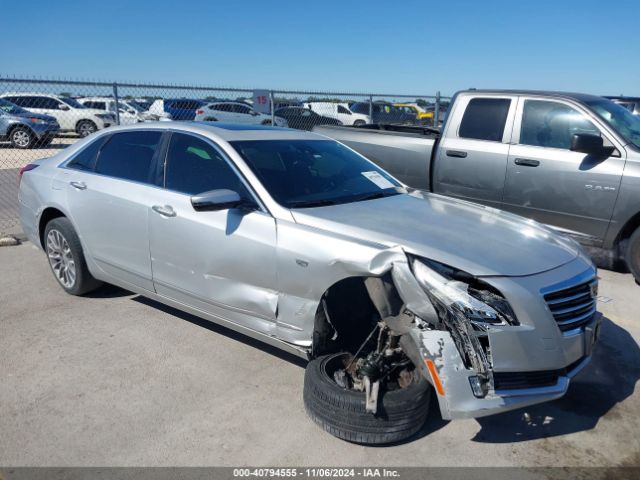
point(228, 132)
point(579, 97)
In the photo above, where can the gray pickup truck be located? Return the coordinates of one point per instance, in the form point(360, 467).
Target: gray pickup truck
point(570, 161)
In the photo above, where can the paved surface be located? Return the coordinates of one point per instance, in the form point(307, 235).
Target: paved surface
point(119, 380)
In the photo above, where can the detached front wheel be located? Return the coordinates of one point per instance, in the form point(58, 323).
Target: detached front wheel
point(341, 411)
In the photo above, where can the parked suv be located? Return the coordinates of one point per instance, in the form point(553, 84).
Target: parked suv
point(176, 108)
point(128, 114)
point(235, 112)
point(71, 115)
point(25, 129)
point(384, 112)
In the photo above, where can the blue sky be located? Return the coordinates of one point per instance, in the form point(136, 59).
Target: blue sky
point(414, 47)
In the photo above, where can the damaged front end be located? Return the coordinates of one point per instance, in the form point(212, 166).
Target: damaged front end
point(437, 321)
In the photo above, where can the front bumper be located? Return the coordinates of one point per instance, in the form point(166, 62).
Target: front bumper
point(530, 363)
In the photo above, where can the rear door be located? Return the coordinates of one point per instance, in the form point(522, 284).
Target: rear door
point(472, 156)
point(108, 188)
point(550, 183)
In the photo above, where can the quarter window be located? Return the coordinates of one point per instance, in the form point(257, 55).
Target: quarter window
point(193, 166)
point(485, 118)
point(86, 159)
point(552, 124)
point(129, 156)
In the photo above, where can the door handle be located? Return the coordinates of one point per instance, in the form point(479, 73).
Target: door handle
point(78, 185)
point(526, 162)
point(166, 211)
point(456, 153)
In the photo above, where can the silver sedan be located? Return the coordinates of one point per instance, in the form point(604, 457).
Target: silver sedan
point(395, 295)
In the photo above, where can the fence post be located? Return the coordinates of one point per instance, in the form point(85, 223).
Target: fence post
point(436, 111)
point(271, 107)
point(115, 96)
point(371, 108)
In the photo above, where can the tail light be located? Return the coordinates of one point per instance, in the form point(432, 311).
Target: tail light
point(199, 112)
point(26, 168)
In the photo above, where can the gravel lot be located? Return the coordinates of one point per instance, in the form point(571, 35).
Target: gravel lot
point(116, 379)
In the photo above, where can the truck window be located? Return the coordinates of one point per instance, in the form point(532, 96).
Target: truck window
point(485, 118)
point(552, 124)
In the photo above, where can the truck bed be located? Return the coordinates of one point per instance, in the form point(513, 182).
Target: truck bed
point(402, 150)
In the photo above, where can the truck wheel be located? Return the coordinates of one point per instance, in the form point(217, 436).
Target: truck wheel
point(341, 412)
point(357, 123)
point(85, 128)
point(632, 255)
point(22, 137)
point(66, 258)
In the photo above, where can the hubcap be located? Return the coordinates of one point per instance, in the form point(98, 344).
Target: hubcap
point(21, 138)
point(86, 129)
point(61, 259)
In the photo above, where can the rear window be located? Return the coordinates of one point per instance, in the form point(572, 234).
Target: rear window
point(129, 156)
point(485, 118)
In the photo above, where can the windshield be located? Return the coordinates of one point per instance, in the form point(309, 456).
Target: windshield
point(72, 102)
point(313, 173)
point(134, 105)
point(619, 118)
point(11, 108)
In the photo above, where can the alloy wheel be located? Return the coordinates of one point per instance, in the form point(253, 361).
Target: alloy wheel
point(61, 259)
point(21, 138)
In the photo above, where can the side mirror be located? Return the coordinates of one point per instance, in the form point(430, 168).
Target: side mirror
point(590, 144)
point(63, 106)
point(216, 200)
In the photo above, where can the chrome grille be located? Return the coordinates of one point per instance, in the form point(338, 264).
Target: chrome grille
point(574, 306)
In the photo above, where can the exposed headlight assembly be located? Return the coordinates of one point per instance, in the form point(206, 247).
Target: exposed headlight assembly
point(456, 291)
point(468, 308)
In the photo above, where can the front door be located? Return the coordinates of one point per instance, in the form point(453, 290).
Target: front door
point(550, 183)
point(220, 262)
point(472, 160)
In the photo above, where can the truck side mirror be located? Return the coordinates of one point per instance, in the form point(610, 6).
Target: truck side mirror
point(591, 145)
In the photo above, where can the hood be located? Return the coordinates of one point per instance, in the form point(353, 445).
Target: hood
point(482, 241)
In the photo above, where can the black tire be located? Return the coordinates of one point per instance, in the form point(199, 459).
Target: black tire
point(210, 119)
point(84, 281)
point(341, 412)
point(266, 122)
point(632, 255)
point(357, 123)
point(22, 138)
point(84, 128)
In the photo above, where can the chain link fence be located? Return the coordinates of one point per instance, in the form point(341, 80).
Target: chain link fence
point(39, 118)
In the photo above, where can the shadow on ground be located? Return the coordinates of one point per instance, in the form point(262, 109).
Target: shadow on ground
point(608, 380)
point(219, 329)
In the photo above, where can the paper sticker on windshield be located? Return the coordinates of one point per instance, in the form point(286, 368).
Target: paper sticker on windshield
point(378, 179)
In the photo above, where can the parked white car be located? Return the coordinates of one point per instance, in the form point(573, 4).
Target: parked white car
point(339, 111)
point(128, 114)
point(70, 114)
point(235, 112)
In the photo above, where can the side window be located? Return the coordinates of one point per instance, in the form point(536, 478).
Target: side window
point(485, 118)
point(223, 107)
point(342, 109)
point(242, 109)
point(552, 124)
point(193, 166)
point(129, 155)
point(49, 103)
point(86, 159)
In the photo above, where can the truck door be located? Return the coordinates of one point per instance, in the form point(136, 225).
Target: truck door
point(550, 183)
point(472, 157)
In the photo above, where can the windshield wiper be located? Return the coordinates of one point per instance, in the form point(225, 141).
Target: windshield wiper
point(312, 203)
point(373, 196)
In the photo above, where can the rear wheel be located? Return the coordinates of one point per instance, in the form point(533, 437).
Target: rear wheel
point(66, 257)
point(341, 411)
point(22, 137)
point(85, 128)
point(266, 122)
point(210, 119)
point(632, 255)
